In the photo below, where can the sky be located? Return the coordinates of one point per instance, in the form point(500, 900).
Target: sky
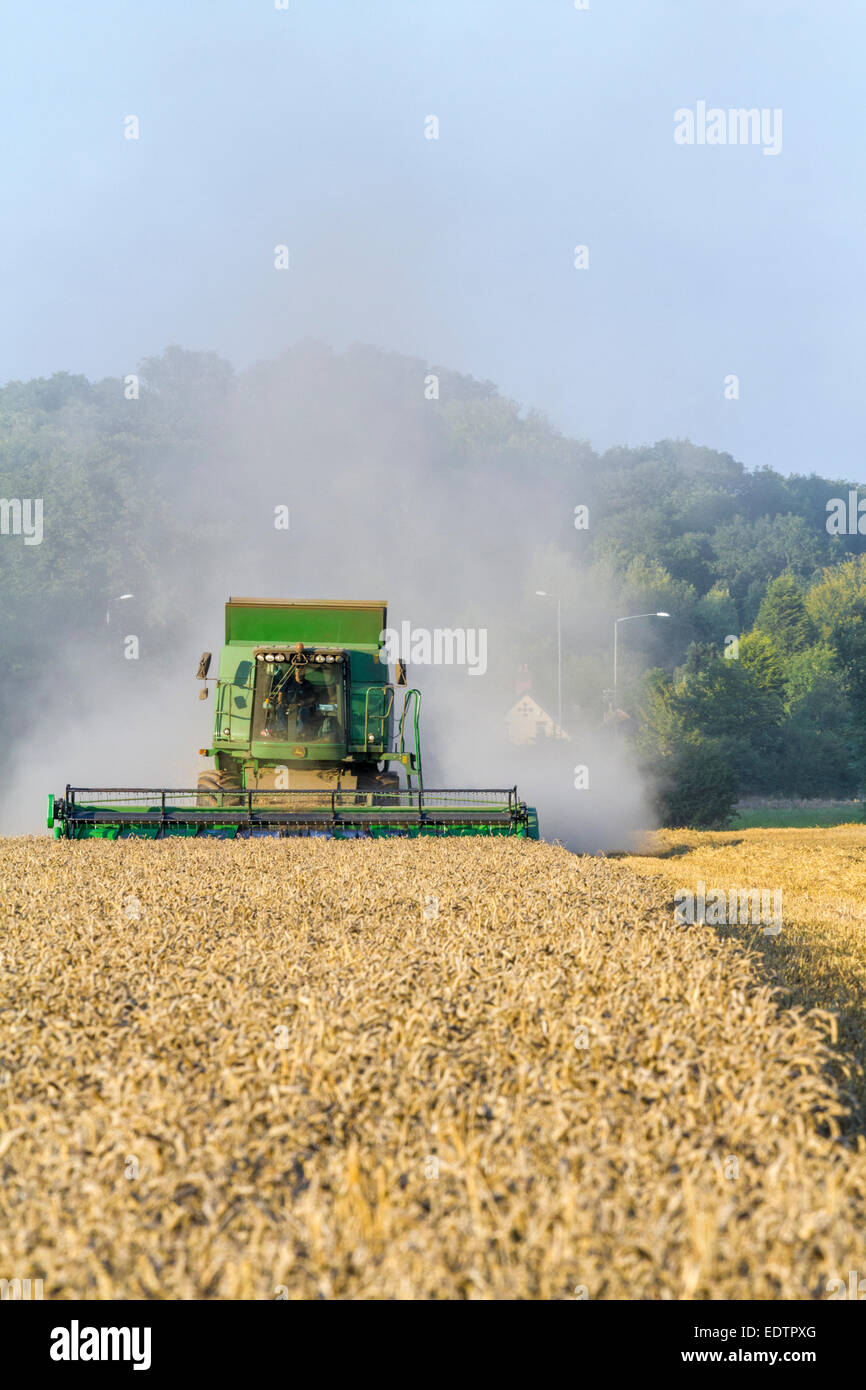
point(306, 126)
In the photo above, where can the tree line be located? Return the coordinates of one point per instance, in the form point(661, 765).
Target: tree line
point(409, 475)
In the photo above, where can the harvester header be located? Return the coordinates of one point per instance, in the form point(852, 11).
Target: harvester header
point(310, 737)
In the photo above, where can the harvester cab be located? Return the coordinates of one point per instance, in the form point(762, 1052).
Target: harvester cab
point(296, 701)
point(310, 737)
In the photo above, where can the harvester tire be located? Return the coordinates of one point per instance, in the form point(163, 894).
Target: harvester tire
point(387, 782)
point(216, 780)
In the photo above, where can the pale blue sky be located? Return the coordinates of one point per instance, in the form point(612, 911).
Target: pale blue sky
point(306, 126)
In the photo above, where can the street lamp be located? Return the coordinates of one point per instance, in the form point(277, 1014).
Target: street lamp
point(542, 593)
point(118, 599)
point(616, 622)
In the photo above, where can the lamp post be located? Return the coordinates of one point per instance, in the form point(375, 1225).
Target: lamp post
point(118, 599)
point(616, 622)
point(542, 593)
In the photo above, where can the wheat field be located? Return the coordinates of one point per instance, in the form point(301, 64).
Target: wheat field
point(439, 1069)
point(818, 961)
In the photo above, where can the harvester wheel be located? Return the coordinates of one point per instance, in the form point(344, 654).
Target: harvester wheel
point(216, 780)
point(387, 782)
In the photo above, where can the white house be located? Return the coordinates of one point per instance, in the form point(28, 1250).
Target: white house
point(526, 723)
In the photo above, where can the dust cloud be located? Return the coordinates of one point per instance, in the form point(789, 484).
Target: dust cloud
point(391, 496)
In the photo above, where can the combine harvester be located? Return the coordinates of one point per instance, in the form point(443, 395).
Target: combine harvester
point(306, 725)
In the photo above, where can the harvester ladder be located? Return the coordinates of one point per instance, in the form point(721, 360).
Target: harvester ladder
point(411, 701)
point(376, 720)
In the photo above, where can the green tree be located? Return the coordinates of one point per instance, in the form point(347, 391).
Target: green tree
point(837, 596)
point(695, 786)
point(848, 639)
point(716, 616)
point(711, 700)
point(784, 617)
point(754, 551)
point(762, 658)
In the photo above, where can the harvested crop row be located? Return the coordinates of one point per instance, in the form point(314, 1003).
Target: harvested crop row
point(404, 1069)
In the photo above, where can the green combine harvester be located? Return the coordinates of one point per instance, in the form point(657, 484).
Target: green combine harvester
point(307, 729)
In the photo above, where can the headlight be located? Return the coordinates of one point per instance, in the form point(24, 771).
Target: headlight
point(320, 657)
point(329, 658)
